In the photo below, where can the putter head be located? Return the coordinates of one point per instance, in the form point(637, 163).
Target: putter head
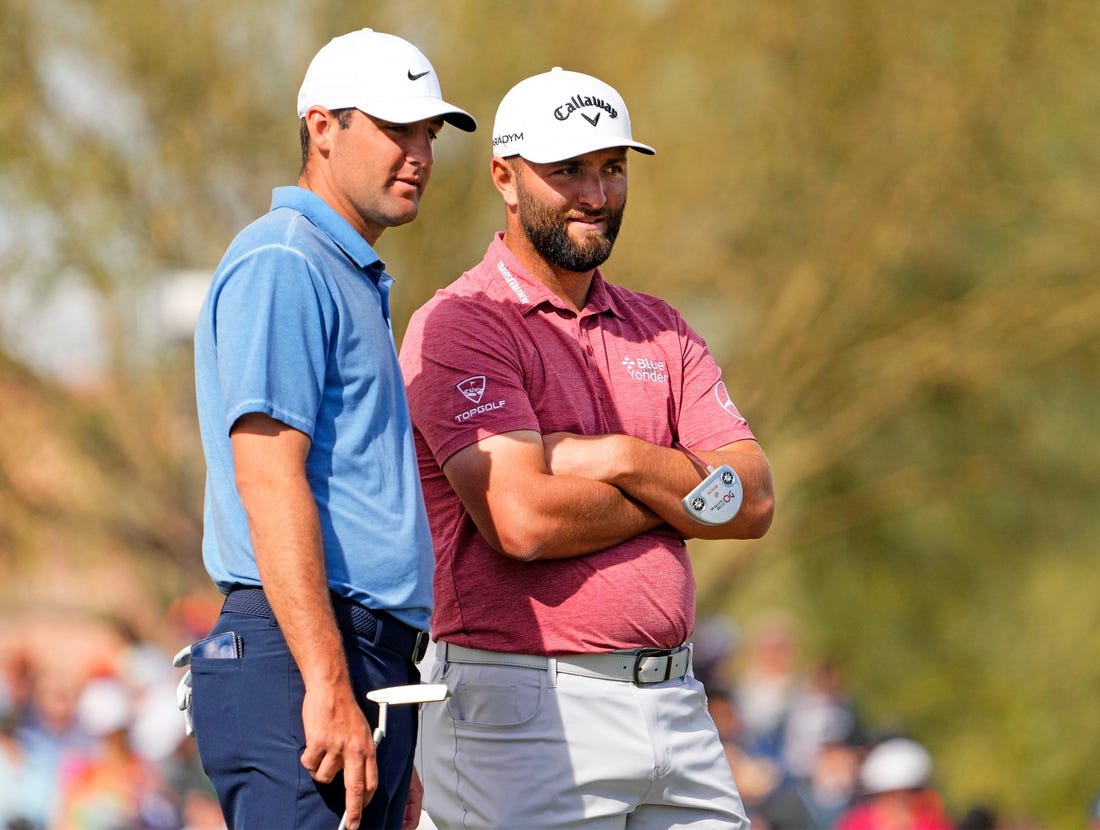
point(415, 693)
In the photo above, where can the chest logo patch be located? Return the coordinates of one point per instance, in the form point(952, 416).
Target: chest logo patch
point(644, 369)
point(472, 388)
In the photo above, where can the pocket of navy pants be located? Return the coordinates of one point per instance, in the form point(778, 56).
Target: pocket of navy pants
point(248, 726)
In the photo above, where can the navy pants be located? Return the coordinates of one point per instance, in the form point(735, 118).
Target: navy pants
point(248, 726)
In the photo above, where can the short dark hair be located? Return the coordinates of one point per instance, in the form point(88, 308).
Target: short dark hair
point(343, 118)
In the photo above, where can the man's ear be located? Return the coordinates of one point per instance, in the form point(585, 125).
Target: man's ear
point(504, 175)
point(320, 123)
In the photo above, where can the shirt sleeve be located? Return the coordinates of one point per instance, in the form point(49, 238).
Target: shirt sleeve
point(464, 374)
point(272, 326)
point(707, 418)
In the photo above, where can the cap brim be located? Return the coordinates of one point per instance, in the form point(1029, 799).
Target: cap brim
point(460, 119)
point(408, 110)
point(560, 151)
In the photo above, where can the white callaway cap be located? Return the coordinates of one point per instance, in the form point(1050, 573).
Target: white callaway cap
point(382, 75)
point(560, 114)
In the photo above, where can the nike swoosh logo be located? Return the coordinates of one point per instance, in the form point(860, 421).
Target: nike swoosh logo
point(419, 75)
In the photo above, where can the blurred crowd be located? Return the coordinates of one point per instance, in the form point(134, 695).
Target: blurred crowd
point(91, 737)
point(800, 754)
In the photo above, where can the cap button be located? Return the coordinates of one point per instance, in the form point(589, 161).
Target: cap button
point(556, 69)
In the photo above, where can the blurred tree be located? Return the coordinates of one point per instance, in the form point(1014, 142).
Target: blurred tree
point(879, 215)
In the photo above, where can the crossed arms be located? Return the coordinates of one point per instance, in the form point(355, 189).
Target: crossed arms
point(561, 495)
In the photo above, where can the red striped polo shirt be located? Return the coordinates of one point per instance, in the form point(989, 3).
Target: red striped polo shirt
point(496, 351)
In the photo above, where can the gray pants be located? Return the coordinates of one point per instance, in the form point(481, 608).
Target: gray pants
point(529, 748)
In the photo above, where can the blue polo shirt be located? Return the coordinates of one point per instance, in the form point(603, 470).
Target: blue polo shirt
point(296, 325)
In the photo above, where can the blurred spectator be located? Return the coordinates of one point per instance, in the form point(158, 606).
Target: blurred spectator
point(758, 780)
point(48, 732)
point(111, 786)
point(24, 789)
point(820, 711)
point(713, 644)
point(895, 779)
point(829, 789)
point(815, 801)
point(765, 687)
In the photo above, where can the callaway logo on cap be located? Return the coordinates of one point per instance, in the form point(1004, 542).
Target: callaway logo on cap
point(560, 114)
point(382, 75)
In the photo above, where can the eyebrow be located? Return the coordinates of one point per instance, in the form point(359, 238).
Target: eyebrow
point(577, 160)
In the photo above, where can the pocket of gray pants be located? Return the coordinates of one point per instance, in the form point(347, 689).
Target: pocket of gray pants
point(513, 697)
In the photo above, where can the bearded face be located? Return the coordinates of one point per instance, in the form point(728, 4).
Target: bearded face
point(548, 230)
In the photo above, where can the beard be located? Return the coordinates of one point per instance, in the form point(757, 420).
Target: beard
point(548, 232)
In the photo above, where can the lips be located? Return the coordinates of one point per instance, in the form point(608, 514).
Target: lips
point(591, 221)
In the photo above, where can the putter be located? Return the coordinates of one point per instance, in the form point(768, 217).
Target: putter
point(397, 695)
point(717, 499)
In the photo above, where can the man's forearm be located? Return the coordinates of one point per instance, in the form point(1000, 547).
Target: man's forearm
point(597, 515)
point(286, 539)
point(526, 512)
point(269, 459)
point(567, 516)
point(659, 477)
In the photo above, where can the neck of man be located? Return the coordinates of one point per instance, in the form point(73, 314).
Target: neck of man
point(571, 286)
point(315, 181)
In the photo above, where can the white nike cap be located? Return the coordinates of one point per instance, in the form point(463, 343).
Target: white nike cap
point(382, 75)
point(560, 114)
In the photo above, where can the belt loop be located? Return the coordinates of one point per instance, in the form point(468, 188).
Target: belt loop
point(441, 651)
point(378, 626)
point(552, 672)
point(420, 647)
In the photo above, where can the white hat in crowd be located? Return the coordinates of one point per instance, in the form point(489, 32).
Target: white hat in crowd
point(560, 114)
point(105, 705)
point(895, 764)
point(382, 75)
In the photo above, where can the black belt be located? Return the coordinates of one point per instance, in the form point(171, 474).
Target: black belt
point(378, 626)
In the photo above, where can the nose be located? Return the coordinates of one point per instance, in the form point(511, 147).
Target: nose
point(592, 192)
point(419, 148)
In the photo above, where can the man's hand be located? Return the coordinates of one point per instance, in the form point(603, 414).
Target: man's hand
point(415, 803)
point(338, 737)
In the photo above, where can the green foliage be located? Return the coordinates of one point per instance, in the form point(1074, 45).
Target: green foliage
point(880, 215)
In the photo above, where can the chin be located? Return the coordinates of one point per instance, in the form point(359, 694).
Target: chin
point(403, 217)
point(588, 234)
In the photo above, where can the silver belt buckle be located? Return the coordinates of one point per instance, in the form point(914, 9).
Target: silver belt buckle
point(645, 653)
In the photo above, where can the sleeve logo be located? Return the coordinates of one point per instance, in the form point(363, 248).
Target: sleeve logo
point(473, 388)
point(723, 396)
